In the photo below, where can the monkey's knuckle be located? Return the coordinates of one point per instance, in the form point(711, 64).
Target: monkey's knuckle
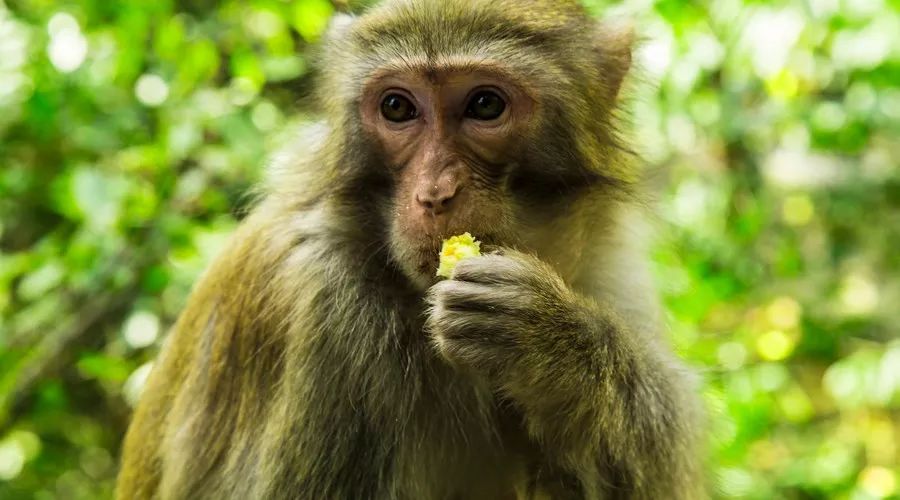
point(469, 268)
point(491, 269)
point(457, 325)
point(436, 320)
point(437, 290)
point(522, 302)
point(464, 350)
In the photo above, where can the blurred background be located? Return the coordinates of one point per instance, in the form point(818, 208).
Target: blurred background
point(131, 131)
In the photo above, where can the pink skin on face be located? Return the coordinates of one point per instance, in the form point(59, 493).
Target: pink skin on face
point(447, 160)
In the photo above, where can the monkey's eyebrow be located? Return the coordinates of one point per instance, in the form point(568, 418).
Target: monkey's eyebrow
point(489, 68)
point(461, 64)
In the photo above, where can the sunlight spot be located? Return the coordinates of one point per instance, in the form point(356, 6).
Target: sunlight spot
point(784, 312)
point(12, 459)
point(797, 210)
point(879, 482)
point(141, 329)
point(68, 47)
point(134, 386)
point(859, 295)
point(774, 345)
point(151, 90)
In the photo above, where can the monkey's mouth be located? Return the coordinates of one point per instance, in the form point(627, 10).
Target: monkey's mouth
point(417, 253)
point(426, 257)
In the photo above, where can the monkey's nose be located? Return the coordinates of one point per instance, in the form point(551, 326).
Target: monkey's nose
point(436, 200)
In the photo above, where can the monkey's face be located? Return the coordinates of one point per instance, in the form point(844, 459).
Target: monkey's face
point(449, 140)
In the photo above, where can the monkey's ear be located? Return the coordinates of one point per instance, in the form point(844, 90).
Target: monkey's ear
point(338, 27)
point(614, 42)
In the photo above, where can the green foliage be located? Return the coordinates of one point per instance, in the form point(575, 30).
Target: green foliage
point(131, 133)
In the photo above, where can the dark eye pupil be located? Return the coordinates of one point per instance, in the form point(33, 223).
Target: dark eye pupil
point(397, 108)
point(486, 105)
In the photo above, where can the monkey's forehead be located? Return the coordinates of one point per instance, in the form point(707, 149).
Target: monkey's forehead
point(539, 15)
point(428, 36)
point(441, 28)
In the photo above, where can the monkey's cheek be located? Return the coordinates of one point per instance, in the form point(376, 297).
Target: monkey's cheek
point(418, 269)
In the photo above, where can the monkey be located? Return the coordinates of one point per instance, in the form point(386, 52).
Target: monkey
point(319, 357)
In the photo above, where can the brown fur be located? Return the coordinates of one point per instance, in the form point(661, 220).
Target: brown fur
point(309, 364)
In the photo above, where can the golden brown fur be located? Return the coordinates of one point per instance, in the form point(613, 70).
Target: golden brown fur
point(310, 364)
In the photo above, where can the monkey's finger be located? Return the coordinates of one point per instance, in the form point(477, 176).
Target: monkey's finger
point(466, 296)
point(490, 269)
point(475, 327)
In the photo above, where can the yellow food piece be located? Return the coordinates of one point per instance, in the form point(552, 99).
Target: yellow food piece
point(456, 249)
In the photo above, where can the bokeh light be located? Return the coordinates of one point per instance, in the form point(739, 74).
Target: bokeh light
point(132, 134)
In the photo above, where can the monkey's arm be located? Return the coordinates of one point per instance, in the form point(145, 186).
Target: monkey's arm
point(607, 405)
point(141, 467)
point(189, 388)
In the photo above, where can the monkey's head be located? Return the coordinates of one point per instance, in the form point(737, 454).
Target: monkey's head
point(486, 116)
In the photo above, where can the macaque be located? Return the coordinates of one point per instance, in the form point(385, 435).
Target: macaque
point(320, 357)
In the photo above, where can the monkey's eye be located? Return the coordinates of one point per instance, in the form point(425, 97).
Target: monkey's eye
point(485, 105)
point(396, 108)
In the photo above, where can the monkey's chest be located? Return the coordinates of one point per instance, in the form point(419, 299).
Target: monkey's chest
point(464, 458)
point(476, 473)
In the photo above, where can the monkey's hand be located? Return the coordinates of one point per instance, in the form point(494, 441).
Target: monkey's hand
point(504, 315)
point(594, 393)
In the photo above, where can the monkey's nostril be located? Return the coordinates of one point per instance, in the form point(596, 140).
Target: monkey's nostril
point(427, 203)
point(435, 198)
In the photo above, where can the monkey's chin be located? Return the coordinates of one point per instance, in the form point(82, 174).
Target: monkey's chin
point(419, 266)
point(422, 275)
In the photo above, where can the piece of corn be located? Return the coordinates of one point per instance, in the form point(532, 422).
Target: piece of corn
point(456, 249)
